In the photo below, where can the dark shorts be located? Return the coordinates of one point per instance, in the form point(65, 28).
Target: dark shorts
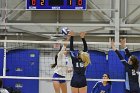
point(59, 76)
point(78, 81)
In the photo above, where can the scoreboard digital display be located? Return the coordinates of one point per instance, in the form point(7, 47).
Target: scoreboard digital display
point(55, 4)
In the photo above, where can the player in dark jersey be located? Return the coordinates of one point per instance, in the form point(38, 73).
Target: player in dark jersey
point(131, 68)
point(80, 61)
point(104, 86)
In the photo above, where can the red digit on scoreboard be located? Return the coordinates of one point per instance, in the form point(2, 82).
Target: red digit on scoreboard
point(33, 2)
point(79, 2)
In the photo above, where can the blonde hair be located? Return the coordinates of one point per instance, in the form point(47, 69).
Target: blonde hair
point(85, 58)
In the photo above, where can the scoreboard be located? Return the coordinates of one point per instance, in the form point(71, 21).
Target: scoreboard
point(55, 4)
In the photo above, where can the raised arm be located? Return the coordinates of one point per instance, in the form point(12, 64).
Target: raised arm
point(82, 35)
point(72, 53)
point(62, 50)
point(71, 33)
point(71, 43)
point(118, 53)
point(123, 45)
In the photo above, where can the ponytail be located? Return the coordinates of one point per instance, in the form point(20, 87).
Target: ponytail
point(85, 58)
point(54, 65)
point(56, 56)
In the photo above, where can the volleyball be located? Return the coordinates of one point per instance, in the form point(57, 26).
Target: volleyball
point(65, 31)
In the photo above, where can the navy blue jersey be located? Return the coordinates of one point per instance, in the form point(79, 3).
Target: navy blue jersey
point(100, 88)
point(78, 78)
point(78, 64)
point(131, 82)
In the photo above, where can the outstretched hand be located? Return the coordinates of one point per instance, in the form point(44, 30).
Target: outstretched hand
point(71, 33)
point(113, 45)
point(82, 34)
point(66, 41)
point(123, 42)
point(68, 37)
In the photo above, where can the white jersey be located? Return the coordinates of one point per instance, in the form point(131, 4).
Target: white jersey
point(2, 90)
point(62, 61)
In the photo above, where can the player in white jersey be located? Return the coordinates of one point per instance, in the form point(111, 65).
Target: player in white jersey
point(61, 69)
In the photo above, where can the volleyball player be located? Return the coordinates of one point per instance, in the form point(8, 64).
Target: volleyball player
point(2, 90)
point(131, 68)
point(104, 86)
point(80, 62)
point(60, 70)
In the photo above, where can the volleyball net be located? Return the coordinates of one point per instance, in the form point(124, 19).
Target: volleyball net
point(31, 60)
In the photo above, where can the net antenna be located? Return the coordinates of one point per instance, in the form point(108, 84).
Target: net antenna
point(5, 32)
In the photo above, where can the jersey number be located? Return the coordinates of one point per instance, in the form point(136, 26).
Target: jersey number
point(133, 72)
point(79, 64)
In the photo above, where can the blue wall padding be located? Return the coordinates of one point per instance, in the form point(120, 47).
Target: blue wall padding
point(115, 65)
point(97, 68)
point(116, 71)
point(118, 87)
point(23, 62)
point(137, 54)
point(25, 86)
point(1, 61)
